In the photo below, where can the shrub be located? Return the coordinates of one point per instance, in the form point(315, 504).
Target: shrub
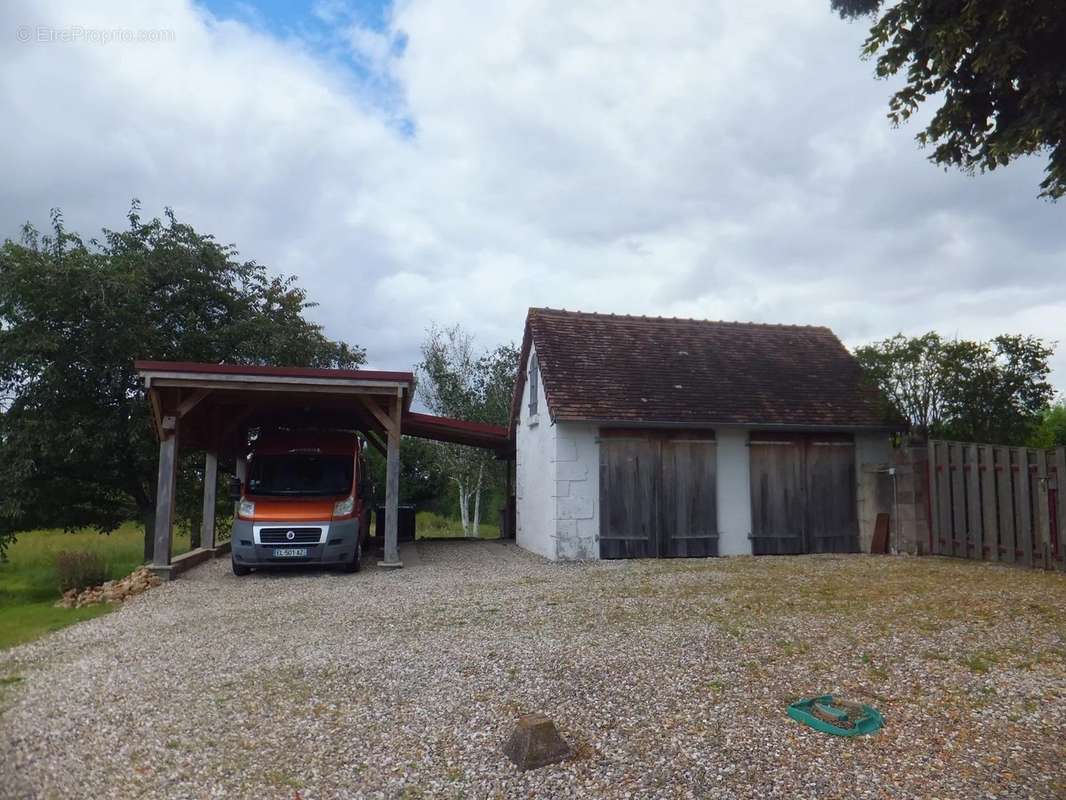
point(79, 569)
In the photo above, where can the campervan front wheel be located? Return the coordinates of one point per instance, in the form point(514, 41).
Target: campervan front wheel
point(356, 563)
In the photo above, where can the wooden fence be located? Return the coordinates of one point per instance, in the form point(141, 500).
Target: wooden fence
point(994, 503)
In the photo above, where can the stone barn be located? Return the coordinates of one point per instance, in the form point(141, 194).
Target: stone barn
point(642, 437)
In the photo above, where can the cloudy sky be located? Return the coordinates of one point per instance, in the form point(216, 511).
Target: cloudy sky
point(449, 161)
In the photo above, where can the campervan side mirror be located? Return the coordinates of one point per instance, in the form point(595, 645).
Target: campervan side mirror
point(234, 489)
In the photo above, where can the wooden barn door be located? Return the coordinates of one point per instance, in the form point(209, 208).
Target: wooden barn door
point(832, 516)
point(629, 496)
point(778, 501)
point(689, 521)
point(657, 495)
point(803, 494)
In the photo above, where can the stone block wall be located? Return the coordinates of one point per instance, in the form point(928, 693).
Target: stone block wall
point(577, 491)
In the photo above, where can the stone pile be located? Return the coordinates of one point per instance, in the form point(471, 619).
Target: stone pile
point(140, 580)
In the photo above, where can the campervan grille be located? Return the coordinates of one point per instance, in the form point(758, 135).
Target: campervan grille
point(280, 535)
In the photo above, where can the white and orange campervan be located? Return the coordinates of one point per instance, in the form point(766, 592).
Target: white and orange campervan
point(304, 501)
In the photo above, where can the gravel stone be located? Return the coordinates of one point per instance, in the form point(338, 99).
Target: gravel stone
point(668, 679)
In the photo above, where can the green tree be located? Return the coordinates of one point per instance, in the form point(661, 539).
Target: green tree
point(1051, 430)
point(422, 484)
point(909, 373)
point(456, 381)
point(996, 391)
point(76, 442)
point(997, 68)
point(992, 391)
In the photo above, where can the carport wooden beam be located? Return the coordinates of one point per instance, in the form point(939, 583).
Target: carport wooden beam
point(393, 426)
point(207, 529)
point(166, 489)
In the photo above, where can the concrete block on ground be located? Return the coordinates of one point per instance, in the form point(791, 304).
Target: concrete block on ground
point(535, 743)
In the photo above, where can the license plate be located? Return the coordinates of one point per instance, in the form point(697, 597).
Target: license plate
point(290, 552)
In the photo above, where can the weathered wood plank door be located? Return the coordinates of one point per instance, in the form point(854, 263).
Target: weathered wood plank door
point(778, 502)
point(803, 494)
point(832, 514)
point(689, 521)
point(629, 496)
point(658, 496)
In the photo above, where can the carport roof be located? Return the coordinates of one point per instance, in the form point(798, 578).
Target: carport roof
point(185, 369)
point(217, 403)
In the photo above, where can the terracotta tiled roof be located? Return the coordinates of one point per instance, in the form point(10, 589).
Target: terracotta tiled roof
point(656, 370)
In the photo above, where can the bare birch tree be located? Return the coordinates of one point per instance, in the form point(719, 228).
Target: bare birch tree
point(456, 381)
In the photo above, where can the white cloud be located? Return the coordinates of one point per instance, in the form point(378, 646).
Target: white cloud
point(720, 159)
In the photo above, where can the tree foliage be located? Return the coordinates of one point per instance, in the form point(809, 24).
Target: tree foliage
point(1051, 430)
point(456, 381)
point(994, 391)
point(76, 442)
point(422, 483)
point(998, 67)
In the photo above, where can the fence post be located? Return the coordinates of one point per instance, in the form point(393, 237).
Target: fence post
point(944, 490)
point(989, 518)
point(1008, 529)
point(923, 525)
point(1022, 508)
point(958, 500)
point(934, 500)
point(974, 528)
point(1060, 508)
point(1042, 523)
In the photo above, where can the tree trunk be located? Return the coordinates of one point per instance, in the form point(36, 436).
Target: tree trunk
point(464, 508)
point(475, 529)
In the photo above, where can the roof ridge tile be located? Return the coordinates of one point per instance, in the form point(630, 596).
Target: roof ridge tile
point(547, 310)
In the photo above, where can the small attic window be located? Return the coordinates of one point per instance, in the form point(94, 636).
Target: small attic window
point(534, 372)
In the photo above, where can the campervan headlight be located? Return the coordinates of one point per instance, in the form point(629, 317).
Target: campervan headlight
point(343, 508)
point(246, 508)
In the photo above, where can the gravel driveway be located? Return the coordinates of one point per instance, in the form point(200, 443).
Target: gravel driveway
point(670, 679)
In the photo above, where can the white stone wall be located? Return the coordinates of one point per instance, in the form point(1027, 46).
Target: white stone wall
point(577, 491)
point(734, 492)
point(535, 478)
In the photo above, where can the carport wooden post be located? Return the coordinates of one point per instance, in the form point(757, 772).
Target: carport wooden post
point(166, 487)
point(207, 529)
point(392, 484)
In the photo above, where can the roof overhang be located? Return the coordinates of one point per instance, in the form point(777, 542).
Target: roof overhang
point(216, 404)
point(457, 431)
point(290, 379)
point(705, 424)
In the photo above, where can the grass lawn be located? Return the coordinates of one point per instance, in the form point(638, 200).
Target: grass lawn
point(28, 583)
point(434, 526)
point(29, 587)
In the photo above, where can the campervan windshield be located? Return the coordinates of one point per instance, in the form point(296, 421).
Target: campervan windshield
point(301, 475)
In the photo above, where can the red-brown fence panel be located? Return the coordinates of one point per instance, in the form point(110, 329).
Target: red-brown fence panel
point(998, 503)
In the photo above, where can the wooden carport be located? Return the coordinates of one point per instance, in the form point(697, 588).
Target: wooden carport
point(212, 407)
